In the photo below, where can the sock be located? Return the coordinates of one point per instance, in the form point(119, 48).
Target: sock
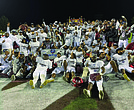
point(35, 80)
point(42, 77)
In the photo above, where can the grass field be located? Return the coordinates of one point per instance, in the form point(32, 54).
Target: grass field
point(82, 103)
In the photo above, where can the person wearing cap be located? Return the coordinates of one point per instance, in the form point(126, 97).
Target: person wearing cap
point(6, 42)
point(122, 61)
point(20, 36)
point(41, 70)
point(34, 44)
point(96, 69)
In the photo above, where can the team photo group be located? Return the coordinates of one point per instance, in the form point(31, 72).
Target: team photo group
point(80, 51)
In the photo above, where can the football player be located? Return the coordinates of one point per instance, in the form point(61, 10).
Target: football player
point(42, 65)
point(96, 70)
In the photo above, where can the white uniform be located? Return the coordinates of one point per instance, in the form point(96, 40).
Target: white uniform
point(112, 52)
point(23, 48)
point(42, 37)
point(42, 66)
point(59, 62)
point(5, 63)
point(71, 65)
point(8, 44)
point(68, 39)
point(41, 70)
point(95, 68)
point(122, 61)
point(79, 57)
point(34, 46)
point(93, 50)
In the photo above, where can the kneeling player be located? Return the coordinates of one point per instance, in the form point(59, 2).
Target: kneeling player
point(96, 70)
point(41, 69)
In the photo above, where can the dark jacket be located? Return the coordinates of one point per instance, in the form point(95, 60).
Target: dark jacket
point(112, 35)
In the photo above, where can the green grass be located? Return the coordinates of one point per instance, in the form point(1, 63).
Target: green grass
point(82, 103)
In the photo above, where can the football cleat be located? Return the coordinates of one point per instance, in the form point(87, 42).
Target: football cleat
point(101, 95)
point(87, 93)
point(45, 82)
point(31, 84)
point(41, 86)
point(50, 80)
point(126, 77)
point(13, 77)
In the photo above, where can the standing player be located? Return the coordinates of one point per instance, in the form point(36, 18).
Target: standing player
point(24, 46)
point(42, 65)
point(34, 45)
point(96, 70)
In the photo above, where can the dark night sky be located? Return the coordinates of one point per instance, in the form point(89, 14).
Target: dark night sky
point(35, 10)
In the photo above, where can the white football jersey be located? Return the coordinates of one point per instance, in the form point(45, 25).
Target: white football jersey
point(34, 46)
point(43, 64)
point(95, 67)
point(60, 60)
point(23, 47)
point(121, 59)
point(71, 62)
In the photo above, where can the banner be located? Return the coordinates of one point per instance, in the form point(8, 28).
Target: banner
point(52, 53)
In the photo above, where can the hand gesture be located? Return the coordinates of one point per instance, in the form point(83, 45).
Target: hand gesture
point(8, 24)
